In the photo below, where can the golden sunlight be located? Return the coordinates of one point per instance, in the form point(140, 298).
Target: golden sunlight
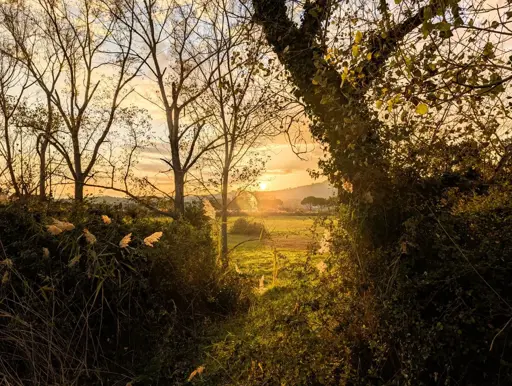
point(263, 185)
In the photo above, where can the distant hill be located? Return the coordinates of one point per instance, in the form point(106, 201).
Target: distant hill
point(110, 200)
point(291, 197)
point(320, 189)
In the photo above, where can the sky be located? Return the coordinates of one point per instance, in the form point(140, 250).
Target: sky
point(284, 169)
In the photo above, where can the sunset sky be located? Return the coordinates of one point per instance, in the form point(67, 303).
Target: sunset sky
point(284, 169)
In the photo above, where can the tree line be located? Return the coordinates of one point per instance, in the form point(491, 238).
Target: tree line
point(72, 78)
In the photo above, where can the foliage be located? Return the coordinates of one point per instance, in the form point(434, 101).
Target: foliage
point(417, 290)
point(314, 201)
point(242, 226)
point(81, 308)
point(432, 308)
point(269, 204)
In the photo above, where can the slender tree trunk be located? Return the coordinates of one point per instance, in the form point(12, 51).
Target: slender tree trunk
point(79, 175)
point(79, 189)
point(224, 221)
point(44, 147)
point(79, 179)
point(42, 170)
point(9, 160)
point(179, 174)
point(179, 191)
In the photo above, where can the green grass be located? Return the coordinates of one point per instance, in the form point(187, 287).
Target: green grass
point(290, 236)
point(235, 346)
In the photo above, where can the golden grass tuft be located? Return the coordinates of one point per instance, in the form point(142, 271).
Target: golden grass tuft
point(63, 225)
point(125, 241)
point(153, 238)
point(89, 237)
point(53, 230)
point(197, 371)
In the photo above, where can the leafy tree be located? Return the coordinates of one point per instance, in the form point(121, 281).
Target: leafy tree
point(311, 201)
point(411, 100)
point(374, 77)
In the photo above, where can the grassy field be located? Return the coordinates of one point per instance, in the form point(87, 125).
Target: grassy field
point(255, 332)
point(290, 236)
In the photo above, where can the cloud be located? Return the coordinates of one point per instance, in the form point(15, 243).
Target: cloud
point(153, 167)
point(279, 171)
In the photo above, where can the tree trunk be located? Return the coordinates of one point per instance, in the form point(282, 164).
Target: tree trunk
point(44, 147)
point(179, 192)
point(42, 170)
point(224, 221)
point(10, 162)
point(79, 189)
point(79, 176)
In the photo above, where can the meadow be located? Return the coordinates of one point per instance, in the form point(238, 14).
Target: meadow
point(290, 236)
point(272, 341)
point(190, 111)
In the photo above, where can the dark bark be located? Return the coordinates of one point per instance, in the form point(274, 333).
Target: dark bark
point(45, 140)
point(224, 221)
point(42, 169)
point(79, 189)
point(344, 120)
point(10, 161)
point(179, 192)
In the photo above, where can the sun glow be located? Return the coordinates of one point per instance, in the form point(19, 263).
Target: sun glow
point(263, 185)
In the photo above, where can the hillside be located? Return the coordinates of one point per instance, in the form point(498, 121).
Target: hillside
point(291, 197)
point(321, 189)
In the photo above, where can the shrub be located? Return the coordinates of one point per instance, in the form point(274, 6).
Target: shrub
point(429, 307)
point(242, 226)
point(80, 309)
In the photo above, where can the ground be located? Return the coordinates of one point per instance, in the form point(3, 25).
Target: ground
point(234, 348)
point(290, 236)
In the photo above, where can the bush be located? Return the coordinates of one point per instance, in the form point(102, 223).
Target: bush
point(79, 309)
point(429, 307)
point(242, 226)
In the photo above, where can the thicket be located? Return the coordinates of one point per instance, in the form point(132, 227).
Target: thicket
point(103, 298)
point(243, 226)
point(416, 289)
point(432, 308)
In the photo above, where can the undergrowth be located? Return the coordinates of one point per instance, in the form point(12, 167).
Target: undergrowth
point(101, 303)
point(430, 308)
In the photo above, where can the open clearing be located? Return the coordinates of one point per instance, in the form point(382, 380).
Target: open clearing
point(290, 236)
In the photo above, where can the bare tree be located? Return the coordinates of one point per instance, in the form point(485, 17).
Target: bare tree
point(83, 65)
point(177, 44)
point(14, 81)
point(249, 104)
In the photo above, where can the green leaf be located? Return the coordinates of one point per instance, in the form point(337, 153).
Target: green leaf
point(489, 50)
point(443, 26)
point(355, 51)
point(422, 109)
point(427, 13)
point(358, 37)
